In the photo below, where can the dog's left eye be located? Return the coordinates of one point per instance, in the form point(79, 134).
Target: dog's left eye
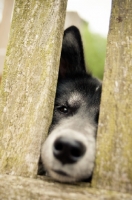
point(63, 109)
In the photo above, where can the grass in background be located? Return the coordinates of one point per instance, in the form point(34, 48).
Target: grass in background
point(94, 50)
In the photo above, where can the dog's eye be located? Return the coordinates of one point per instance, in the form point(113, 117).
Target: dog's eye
point(62, 109)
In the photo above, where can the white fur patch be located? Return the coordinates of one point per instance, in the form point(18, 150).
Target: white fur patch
point(97, 88)
point(74, 98)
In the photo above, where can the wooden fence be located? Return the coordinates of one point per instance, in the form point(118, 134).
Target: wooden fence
point(27, 97)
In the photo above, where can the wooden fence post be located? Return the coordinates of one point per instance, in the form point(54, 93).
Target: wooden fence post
point(29, 83)
point(4, 30)
point(114, 152)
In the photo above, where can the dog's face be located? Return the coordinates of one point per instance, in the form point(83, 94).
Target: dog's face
point(68, 153)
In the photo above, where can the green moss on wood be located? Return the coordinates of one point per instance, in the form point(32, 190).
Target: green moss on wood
point(114, 161)
point(32, 189)
point(29, 83)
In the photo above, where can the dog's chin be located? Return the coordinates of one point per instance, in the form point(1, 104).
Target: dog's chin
point(61, 176)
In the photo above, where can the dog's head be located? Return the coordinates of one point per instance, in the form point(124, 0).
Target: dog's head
point(68, 153)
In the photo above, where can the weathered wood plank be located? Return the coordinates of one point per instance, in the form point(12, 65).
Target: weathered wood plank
point(15, 188)
point(114, 160)
point(29, 83)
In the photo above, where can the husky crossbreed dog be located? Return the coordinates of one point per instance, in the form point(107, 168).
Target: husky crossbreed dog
point(68, 154)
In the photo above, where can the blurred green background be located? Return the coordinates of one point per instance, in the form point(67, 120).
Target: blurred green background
point(94, 50)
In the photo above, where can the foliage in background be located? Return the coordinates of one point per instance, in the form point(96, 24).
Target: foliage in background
point(94, 50)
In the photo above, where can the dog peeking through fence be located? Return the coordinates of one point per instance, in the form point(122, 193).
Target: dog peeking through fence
point(68, 154)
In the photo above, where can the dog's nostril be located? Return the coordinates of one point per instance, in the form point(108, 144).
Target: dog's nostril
point(76, 152)
point(67, 150)
point(58, 146)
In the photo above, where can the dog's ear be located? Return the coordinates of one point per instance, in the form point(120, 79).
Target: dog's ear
point(72, 56)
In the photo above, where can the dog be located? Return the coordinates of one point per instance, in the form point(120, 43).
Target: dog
point(68, 154)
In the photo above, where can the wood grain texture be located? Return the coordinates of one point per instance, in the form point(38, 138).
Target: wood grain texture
point(29, 83)
point(114, 147)
point(16, 188)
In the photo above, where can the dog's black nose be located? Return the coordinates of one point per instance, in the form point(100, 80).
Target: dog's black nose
point(67, 150)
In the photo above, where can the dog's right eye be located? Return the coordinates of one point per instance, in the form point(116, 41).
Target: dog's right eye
point(62, 109)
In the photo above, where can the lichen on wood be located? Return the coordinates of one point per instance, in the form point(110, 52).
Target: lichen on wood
point(29, 83)
point(16, 188)
point(114, 144)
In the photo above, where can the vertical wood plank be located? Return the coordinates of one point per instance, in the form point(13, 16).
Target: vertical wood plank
point(29, 83)
point(114, 146)
point(4, 30)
